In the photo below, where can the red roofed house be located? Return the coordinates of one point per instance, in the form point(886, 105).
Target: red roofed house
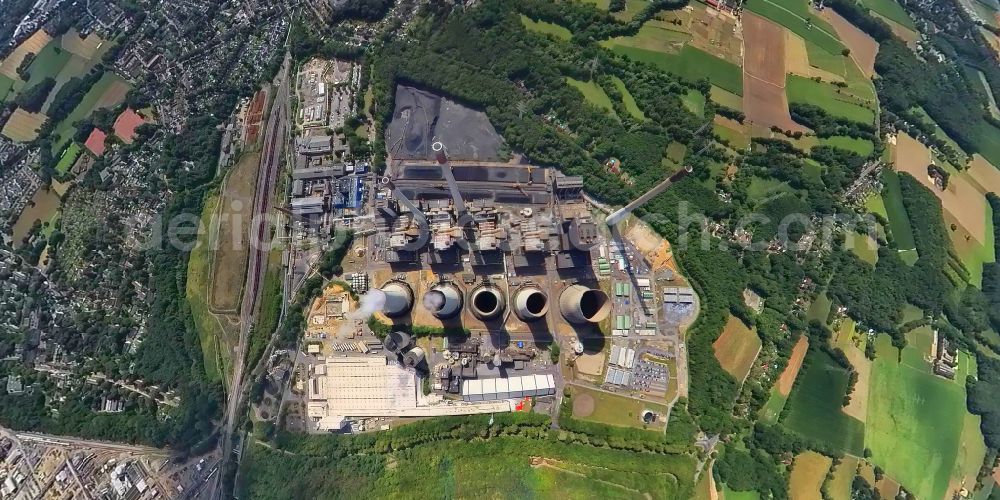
point(95, 142)
point(126, 124)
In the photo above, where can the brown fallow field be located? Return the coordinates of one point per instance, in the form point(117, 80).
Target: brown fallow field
point(764, 100)
point(863, 47)
point(961, 199)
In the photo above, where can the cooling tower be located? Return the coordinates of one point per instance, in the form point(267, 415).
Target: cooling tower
point(530, 304)
point(444, 300)
point(580, 304)
point(398, 299)
point(414, 358)
point(487, 302)
point(397, 342)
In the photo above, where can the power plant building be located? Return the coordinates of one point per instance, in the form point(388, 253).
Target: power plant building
point(491, 389)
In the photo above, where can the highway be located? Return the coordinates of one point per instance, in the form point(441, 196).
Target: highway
point(267, 177)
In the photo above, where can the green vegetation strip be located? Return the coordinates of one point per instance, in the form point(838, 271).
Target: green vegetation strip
point(546, 28)
point(690, 63)
point(68, 158)
point(899, 222)
point(826, 96)
point(594, 94)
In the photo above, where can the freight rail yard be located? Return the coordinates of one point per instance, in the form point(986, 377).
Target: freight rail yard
point(481, 286)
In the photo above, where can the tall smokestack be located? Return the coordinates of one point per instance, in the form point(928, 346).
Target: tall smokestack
point(443, 301)
point(530, 304)
point(487, 302)
point(581, 305)
point(398, 299)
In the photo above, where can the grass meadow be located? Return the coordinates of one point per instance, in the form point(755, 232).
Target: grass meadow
point(816, 403)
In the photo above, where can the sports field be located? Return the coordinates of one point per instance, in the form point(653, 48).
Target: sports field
point(594, 94)
point(628, 100)
point(899, 222)
point(108, 92)
point(915, 419)
point(546, 28)
point(891, 10)
point(862, 147)
point(736, 348)
point(826, 96)
point(815, 409)
point(691, 63)
point(67, 159)
point(796, 16)
point(808, 474)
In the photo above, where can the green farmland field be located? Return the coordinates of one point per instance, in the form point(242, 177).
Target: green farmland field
point(899, 222)
point(594, 94)
point(807, 91)
point(915, 419)
point(546, 28)
point(47, 64)
point(91, 101)
point(628, 100)
point(891, 10)
point(6, 85)
point(816, 403)
point(795, 15)
point(862, 147)
point(690, 63)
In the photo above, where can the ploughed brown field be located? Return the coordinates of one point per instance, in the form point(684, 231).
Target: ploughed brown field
point(764, 100)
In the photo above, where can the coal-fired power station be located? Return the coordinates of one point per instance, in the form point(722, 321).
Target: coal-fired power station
point(398, 299)
point(444, 300)
point(397, 342)
point(581, 305)
point(487, 302)
point(530, 304)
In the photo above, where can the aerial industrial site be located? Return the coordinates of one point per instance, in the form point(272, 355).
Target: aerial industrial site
point(508, 264)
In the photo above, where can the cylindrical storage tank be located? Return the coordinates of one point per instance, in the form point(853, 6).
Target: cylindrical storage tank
point(443, 301)
point(487, 302)
point(530, 304)
point(414, 357)
point(580, 304)
point(397, 342)
point(398, 299)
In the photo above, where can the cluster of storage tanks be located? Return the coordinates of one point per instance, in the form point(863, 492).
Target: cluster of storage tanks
point(578, 304)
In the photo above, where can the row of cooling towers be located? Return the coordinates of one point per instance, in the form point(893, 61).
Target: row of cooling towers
point(577, 303)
